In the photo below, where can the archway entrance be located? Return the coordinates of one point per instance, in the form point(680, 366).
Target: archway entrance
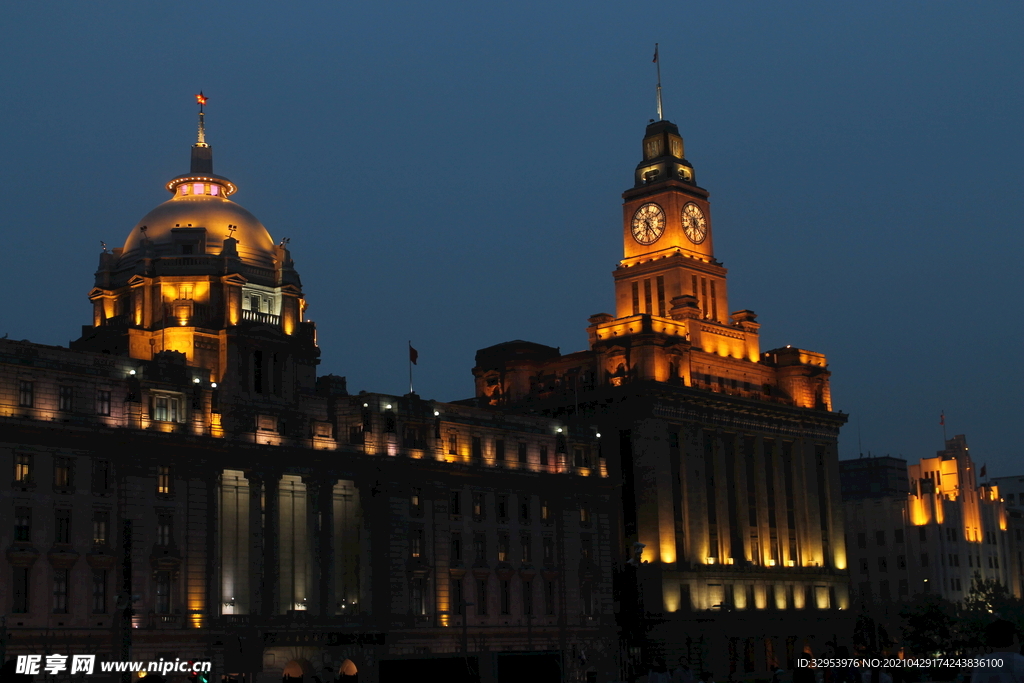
point(298, 670)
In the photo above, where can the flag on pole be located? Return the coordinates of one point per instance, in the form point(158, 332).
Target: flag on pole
point(983, 470)
point(413, 354)
point(942, 419)
point(655, 53)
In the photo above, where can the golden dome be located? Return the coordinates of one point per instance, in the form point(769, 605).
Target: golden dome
point(200, 205)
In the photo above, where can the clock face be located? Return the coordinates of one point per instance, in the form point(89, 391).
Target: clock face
point(695, 225)
point(648, 223)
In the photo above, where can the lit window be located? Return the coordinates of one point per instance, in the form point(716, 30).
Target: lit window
point(215, 190)
point(60, 591)
point(163, 479)
point(184, 190)
point(23, 468)
point(163, 530)
point(198, 189)
point(26, 394)
point(103, 402)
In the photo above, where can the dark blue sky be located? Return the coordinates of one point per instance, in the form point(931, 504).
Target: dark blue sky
point(451, 173)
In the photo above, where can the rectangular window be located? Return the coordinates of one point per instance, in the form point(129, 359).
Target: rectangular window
point(883, 564)
point(23, 524)
point(661, 296)
point(503, 544)
point(704, 296)
point(585, 514)
point(636, 298)
point(545, 512)
point(880, 538)
point(163, 592)
point(647, 297)
point(549, 597)
point(544, 456)
point(480, 548)
point(862, 540)
point(479, 511)
point(586, 547)
point(416, 544)
point(458, 597)
point(901, 562)
point(62, 526)
point(164, 526)
point(922, 533)
point(455, 503)
point(62, 473)
point(419, 601)
point(897, 535)
point(528, 598)
point(523, 453)
point(714, 302)
point(481, 597)
point(526, 548)
point(499, 450)
point(549, 550)
point(26, 394)
point(60, 591)
point(502, 505)
point(65, 399)
point(478, 448)
point(100, 476)
point(456, 548)
point(163, 480)
point(416, 500)
point(506, 597)
point(23, 468)
point(453, 443)
point(103, 402)
point(100, 526)
point(524, 510)
point(99, 591)
point(21, 586)
point(863, 565)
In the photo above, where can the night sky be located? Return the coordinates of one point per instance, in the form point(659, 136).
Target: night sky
point(451, 173)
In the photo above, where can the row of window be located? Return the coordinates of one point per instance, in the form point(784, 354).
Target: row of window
point(461, 600)
point(65, 398)
point(64, 474)
point(952, 560)
point(61, 591)
point(502, 507)
point(504, 548)
point(100, 527)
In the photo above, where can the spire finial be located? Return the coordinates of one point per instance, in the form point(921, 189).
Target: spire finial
point(658, 63)
point(201, 101)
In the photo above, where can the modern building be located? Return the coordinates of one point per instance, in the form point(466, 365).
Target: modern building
point(936, 537)
point(727, 453)
point(184, 486)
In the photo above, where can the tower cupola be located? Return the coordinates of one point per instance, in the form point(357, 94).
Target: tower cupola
point(663, 156)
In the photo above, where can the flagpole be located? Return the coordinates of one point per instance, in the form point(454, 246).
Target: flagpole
point(658, 62)
point(410, 366)
point(942, 421)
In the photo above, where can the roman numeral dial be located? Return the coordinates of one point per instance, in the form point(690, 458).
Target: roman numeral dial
point(648, 223)
point(695, 224)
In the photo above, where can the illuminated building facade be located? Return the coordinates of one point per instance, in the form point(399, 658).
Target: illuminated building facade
point(727, 454)
point(935, 536)
point(183, 459)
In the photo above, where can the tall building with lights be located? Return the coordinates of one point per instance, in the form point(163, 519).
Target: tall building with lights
point(727, 453)
point(936, 531)
point(183, 485)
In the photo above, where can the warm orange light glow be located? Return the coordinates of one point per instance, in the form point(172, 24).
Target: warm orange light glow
point(201, 98)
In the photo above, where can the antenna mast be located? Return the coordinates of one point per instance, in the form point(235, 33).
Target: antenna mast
point(658, 63)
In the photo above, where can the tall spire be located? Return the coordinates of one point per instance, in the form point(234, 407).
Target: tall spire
point(202, 153)
point(658, 63)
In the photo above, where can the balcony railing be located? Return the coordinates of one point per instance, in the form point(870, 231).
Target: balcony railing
point(257, 317)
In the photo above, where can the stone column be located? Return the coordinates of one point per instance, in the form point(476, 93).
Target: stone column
point(256, 547)
point(271, 533)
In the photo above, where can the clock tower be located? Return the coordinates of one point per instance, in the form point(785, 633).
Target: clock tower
point(667, 238)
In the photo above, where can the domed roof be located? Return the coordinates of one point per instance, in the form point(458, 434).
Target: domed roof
point(199, 208)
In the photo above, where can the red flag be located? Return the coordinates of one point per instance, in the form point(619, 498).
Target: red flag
point(655, 53)
point(413, 354)
point(942, 419)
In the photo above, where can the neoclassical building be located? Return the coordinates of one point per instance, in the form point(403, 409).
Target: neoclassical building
point(183, 485)
point(727, 454)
